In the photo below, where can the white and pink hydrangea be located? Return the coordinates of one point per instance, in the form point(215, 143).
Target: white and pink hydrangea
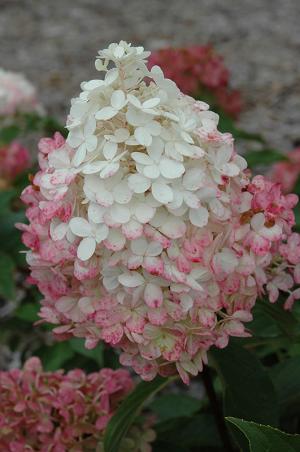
point(17, 94)
point(145, 229)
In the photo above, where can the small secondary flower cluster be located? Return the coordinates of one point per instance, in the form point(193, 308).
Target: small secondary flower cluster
point(287, 171)
point(42, 411)
point(196, 69)
point(17, 94)
point(14, 159)
point(145, 229)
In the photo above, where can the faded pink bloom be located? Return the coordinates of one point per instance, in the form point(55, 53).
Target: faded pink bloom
point(198, 70)
point(287, 172)
point(45, 411)
point(17, 94)
point(14, 159)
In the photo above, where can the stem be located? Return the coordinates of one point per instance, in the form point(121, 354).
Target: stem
point(217, 411)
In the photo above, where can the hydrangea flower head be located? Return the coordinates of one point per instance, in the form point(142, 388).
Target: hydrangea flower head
point(287, 172)
point(17, 94)
point(199, 70)
point(145, 229)
point(14, 159)
point(45, 411)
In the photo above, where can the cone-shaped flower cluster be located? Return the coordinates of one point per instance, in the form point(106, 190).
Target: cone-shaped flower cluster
point(198, 71)
point(17, 94)
point(43, 411)
point(145, 229)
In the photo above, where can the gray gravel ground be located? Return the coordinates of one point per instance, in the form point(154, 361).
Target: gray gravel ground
point(54, 42)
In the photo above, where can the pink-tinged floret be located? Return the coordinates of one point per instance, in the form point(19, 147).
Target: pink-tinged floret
point(59, 411)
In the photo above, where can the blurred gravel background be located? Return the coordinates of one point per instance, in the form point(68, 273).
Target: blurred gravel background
point(54, 43)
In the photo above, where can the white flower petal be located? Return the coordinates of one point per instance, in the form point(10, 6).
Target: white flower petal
point(141, 158)
point(58, 230)
point(110, 150)
point(104, 198)
point(193, 179)
point(86, 306)
point(173, 228)
point(191, 200)
point(153, 295)
point(101, 232)
point(199, 217)
point(91, 143)
point(134, 101)
point(258, 221)
point(92, 84)
point(144, 213)
point(171, 169)
point(229, 169)
point(89, 127)
point(131, 279)
point(156, 149)
point(139, 246)
point(115, 240)
point(106, 113)
point(86, 248)
point(143, 136)
point(118, 99)
point(154, 128)
point(151, 103)
point(109, 170)
point(80, 227)
point(79, 156)
point(122, 193)
point(138, 183)
point(154, 249)
point(120, 213)
point(151, 171)
point(132, 230)
point(93, 167)
point(95, 213)
point(162, 192)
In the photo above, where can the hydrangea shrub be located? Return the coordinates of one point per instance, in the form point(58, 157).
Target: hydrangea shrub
point(146, 230)
point(287, 172)
point(17, 94)
point(63, 412)
point(14, 160)
point(199, 70)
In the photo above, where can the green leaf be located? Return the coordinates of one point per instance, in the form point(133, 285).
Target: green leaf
point(120, 423)
point(263, 438)
point(248, 389)
point(8, 134)
point(28, 312)
point(286, 379)
point(54, 357)
point(194, 431)
point(7, 282)
point(6, 196)
point(170, 406)
point(96, 354)
point(263, 157)
point(285, 320)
